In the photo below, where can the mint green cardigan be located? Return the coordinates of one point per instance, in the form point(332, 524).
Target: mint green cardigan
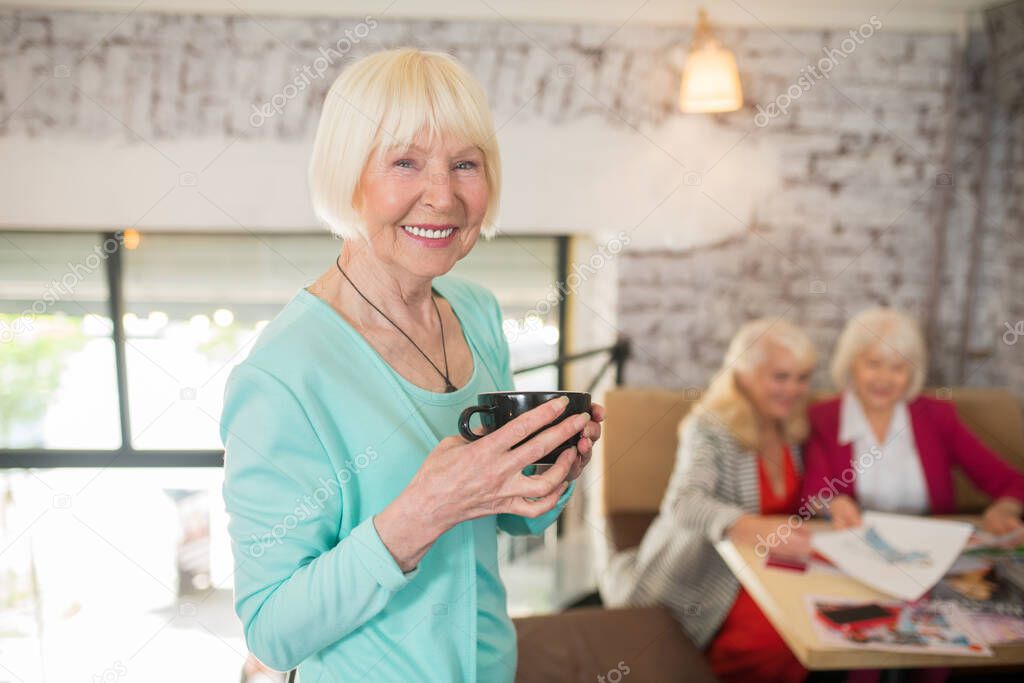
point(318, 438)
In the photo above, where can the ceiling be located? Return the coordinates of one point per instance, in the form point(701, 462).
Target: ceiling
point(895, 15)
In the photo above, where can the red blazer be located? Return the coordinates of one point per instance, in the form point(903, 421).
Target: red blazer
point(942, 442)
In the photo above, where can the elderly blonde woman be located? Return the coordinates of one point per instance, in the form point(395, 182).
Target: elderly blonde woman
point(737, 462)
point(363, 531)
point(882, 446)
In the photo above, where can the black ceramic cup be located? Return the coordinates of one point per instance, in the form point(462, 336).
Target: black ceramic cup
point(498, 408)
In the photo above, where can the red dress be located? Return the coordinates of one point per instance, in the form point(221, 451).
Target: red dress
point(747, 648)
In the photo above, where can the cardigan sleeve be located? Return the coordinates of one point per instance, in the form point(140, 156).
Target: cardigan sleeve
point(297, 588)
point(516, 525)
point(988, 471)
point(820, 479)
point(692, 492)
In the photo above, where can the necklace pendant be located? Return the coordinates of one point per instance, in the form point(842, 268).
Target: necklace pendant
point(450, 388)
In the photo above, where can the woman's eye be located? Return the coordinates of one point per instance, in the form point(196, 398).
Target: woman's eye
point(404, 163)
point(465, 165)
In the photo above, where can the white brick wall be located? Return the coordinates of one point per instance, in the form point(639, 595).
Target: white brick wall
point(842, 190)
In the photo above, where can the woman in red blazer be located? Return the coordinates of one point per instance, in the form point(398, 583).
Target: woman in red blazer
point(881, 446)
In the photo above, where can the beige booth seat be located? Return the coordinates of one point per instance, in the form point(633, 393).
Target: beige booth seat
point(640, 438)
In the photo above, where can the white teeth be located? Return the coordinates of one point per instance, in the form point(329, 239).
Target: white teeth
point(431, 234)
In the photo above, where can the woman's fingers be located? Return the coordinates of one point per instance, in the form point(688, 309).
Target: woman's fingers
point(537, 486)
point(1000, 523)
point(547, 441)
point(521, 427)
point(799, 543)
point(845, 521)
point(592, 430)
point(538, 506)
point(1002, 516)
point(577, 468)
point(579, 465)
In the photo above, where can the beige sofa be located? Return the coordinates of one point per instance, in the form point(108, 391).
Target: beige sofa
point(640, 438)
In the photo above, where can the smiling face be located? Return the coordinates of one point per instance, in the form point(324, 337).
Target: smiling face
point(880, 377)
point(423, 206)
point(778, 385)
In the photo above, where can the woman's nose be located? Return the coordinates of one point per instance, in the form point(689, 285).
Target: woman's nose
point(439, 194)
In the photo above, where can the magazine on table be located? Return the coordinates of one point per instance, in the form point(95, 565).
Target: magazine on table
point(997, 629)
point(923, 627)
point(982, 586)
point(987, 582)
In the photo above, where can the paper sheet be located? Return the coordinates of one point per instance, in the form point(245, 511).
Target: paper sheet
point(900, 555)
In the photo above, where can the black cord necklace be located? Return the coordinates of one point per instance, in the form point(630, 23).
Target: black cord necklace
point(449, 387)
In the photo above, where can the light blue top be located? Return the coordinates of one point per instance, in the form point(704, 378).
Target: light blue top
point(320, 434)
point(495, 635)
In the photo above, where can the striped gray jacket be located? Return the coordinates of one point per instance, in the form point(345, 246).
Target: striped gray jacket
point(714, 481)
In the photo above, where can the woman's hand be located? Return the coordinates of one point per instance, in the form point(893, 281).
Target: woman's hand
point(461, 480)
point(585, 446)
point(845, 512)
point(1002, 516)
point(771, 534)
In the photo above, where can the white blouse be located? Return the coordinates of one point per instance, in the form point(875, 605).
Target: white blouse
point(892, 480)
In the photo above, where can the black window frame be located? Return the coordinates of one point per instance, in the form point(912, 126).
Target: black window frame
point(127, 455)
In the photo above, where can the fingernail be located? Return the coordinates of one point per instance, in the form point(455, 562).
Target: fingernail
point(563, 401)
point(582, 419)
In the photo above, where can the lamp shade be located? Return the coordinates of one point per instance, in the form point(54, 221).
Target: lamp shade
point(711, 81)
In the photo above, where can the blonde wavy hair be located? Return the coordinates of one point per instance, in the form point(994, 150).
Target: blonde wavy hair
point(724, 401)
point(382, 102)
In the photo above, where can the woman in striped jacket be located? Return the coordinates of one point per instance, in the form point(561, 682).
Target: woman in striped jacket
point(737, 462)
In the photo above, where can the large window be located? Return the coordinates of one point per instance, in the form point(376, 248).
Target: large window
point(193, 305)
point(57, 380)
point(115, 348)
point(113, 357)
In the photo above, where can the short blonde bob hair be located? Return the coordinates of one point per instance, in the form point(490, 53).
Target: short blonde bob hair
point(895, 333)
point(382, 102)
point(726, 404)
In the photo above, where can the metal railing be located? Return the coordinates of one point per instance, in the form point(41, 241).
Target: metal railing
point(618, 353)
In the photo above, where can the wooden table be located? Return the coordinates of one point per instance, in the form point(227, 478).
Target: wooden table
point(780, 595)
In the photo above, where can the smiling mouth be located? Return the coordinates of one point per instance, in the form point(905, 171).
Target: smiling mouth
point(432, 233)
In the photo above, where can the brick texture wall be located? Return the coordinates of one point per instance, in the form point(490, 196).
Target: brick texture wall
point(1005, 188)
point(879, 169)
point(902, 188)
